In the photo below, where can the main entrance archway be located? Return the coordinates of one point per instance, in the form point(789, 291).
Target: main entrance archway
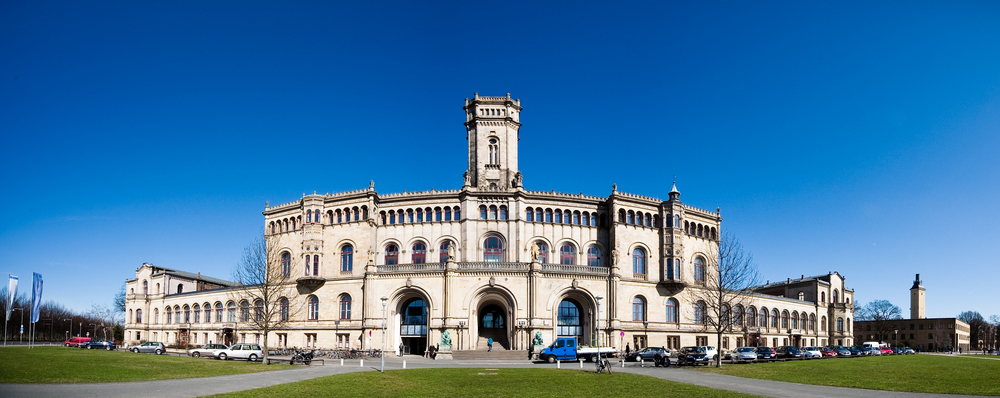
point(413, 326)
point(575, 317)
point(493, 319)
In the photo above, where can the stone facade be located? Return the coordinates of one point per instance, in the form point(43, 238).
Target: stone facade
point(492, 260)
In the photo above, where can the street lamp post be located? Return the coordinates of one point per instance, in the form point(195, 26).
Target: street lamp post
point(645, 326)
point(461, 331)
point(523, 336)
point(337, 322)
point(597, 324)
point(384, 299)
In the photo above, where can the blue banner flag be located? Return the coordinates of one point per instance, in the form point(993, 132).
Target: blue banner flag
point(36, 297)
point(11, 291)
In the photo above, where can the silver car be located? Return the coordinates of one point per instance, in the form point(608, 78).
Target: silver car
point(149, 346)
point(745, 354)
point(207, 350)
point(250, 352)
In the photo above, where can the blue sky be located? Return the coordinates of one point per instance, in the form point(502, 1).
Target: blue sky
point(842, 136)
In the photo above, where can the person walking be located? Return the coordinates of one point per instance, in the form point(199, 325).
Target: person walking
point(489, 344)
point(627, 350)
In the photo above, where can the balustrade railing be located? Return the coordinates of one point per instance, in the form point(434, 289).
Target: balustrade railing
point(493, 266)
point(575, 269)
point(409, 267)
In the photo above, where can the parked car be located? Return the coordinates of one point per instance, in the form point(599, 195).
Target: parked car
point(646, 354)
point(788, 352)
point(693, 356)
point(811, 352)
point(827, 352)
point(855, 352)
point(250, 352)
point(874, 351)
point(886, 351)
point(99, 344)
point(910, 351)
point(765, 353)
point(149, 346)
point(744, 354)
point(207, 350)
point(841, 351)
point(75, 341)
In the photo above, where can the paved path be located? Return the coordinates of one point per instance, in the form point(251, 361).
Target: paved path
point(223, 384)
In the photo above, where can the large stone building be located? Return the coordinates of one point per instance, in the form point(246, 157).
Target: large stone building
point(490, 260)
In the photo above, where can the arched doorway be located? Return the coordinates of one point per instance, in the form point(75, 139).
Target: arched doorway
point(413, 326)
point(574, 317)
point(493, 323)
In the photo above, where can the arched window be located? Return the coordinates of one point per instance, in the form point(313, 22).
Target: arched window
point(543, 252)
point(699, 313)
point(447, 214)
point(774, 318)
point(316, 265)
point(795, 320)
point(631, 218)
point(493, 212)
point(145, 287)
point(802, 296)
point(848, 324)
point(170, 315)
point(258, 310)
point(672, 311)
point(445, 246)
point(347, 258)
point(414, 319)
point(493, 249)
point(840, 324)
point(286, 264)
point(244, 311)
point(569, 319)
point(494, 151)
point(751, 317)
point(822, 297)
point(283, 309)
point(313, 309)
point(699, 269)
point(638, 309)
point(802, 320)
point(218, 312)
point(812, 322)
point(567, 254)
point(482, 212)
point(391, 254)
point(639, 261)
point(822, 324)
point(437, 214)
point(308, 264)
point(548, 215)
point(834, 296)
point(180, 288)
point(503, 212)
point(345, 306)
point(138, 316)
point(763, 317)
point(187, 313)
point(784, 319)
point(419, 255)
point(232, 311)
point(156, 315)
point(197, 313)
point(529, 215)
point(392, 218)
point(558, 216)
point(576, 218)
point(738, 316)
point(594, 256)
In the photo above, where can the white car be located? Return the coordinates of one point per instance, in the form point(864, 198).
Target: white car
point(745, 354)
point(250, 352)
point(812, 352)
point(711, 352)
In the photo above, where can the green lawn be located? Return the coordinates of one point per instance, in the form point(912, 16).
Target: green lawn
point(72, 365)
point(503, 382)
point(911, 373)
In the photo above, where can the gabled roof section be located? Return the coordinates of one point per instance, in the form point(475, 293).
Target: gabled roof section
point(188, 275)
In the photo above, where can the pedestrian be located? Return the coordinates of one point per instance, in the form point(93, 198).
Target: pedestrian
point(431, 352)
point(400, 350)
point(489, 344)
point(627, 350)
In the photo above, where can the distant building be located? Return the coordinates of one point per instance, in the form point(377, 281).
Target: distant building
point(489, 260)
point(918, 332)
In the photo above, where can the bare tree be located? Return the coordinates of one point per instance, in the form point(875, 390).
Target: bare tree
point(730, 277)
point(880, 313)
point(266, 284)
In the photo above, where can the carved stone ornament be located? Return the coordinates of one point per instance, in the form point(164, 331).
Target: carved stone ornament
point(493, 281)
point(576, 284)
point(409, 282)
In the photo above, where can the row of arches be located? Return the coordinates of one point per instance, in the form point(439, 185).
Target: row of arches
point(739, 317)
point(700, 230)
point(419, 215)
point(638, 218)
point(330, 217)
point(242, 312)
point(834, 297)
point(558, 216)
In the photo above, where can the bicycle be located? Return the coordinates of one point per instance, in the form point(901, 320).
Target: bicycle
point(603, 364)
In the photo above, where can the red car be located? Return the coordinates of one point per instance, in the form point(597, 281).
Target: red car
point(76, 341)
point(886, 351)
point(827, 352)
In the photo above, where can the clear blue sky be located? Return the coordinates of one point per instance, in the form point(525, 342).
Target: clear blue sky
point(842, 136)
